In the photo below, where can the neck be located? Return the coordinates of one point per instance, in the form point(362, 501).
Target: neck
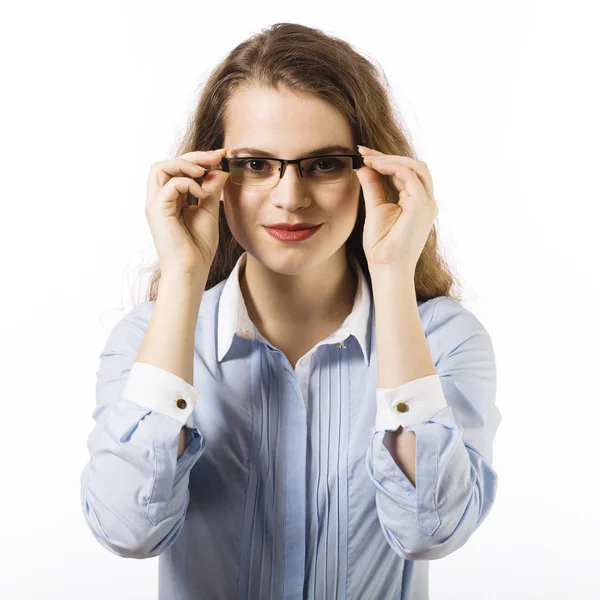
point(308, 300)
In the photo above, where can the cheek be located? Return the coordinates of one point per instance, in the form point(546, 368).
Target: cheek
point(347, 207)
point(241, 211)
point(338, 200)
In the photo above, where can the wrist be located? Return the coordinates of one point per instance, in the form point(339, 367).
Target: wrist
point(387, 275)
point(184, 278)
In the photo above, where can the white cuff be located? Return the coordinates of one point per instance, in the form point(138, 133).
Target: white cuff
point(424, 398)
point(162, 391)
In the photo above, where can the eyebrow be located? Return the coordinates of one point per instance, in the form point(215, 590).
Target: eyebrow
point(316, 152)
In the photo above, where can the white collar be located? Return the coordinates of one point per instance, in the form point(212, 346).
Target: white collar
point(233, 316)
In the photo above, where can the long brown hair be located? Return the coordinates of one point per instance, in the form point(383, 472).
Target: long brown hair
point(308, 61)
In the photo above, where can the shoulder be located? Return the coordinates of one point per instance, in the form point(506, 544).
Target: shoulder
point(137, 318)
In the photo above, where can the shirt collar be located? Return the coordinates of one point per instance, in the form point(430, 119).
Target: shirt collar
point(233, 316)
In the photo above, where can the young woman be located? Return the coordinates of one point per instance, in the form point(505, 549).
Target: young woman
point(293, 414)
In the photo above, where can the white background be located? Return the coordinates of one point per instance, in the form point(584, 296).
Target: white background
point(502, 101)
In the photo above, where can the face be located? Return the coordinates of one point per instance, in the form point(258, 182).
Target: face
point(288, 126)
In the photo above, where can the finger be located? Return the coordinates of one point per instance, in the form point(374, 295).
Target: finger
point(176, 167)
point(210, 158)
point(198, 155)
point(214, 181)
point(211, 184)
point(200, 158)
point(182, 185)
point(410, 180)
point(364, 151)
point(398, 183)
point(200, 196)
point(418, 166)
point(373, 192)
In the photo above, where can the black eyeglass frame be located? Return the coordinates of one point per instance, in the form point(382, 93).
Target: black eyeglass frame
point(357, 162)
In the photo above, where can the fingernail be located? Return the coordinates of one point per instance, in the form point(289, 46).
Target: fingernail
point(361, 149)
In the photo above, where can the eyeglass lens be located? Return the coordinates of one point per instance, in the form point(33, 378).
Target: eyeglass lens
point(264, 171)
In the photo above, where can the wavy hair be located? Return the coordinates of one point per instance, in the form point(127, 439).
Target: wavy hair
point(309, 61)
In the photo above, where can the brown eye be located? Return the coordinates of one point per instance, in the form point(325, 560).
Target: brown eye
point(325, 165)
point(252, 164)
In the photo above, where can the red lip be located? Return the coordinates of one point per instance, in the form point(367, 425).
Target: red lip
point(293, 226)
point(292, 236)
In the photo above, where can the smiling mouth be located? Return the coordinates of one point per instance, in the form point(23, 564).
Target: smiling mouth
point(286, 235)
point(292, 227)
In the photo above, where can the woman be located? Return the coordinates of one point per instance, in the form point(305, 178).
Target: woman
point(293, 415)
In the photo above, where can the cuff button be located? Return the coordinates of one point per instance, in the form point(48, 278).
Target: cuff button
point(181, 403)
point(402, 407)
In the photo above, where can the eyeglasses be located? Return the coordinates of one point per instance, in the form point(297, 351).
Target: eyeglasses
point(259, 171)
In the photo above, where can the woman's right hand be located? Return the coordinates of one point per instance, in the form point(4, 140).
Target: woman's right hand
point(186, 237)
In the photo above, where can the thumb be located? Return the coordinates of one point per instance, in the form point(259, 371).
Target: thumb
point(213, 183)
point(373, 193)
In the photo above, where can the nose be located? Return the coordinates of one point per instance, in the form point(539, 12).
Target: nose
point(288, 167)
point(290, 192)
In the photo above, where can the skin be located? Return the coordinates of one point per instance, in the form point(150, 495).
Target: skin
point(296, 293)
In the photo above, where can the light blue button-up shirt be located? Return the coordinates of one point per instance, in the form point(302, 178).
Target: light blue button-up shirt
point(286, 489)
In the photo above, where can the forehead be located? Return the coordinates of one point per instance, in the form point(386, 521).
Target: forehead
point(282, 121)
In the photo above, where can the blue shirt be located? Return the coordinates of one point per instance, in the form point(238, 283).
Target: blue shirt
point(286, 489)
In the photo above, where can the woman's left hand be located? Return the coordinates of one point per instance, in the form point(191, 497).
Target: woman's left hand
point(395, 234)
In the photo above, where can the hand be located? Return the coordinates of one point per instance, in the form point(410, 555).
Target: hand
point(395, 234)
point(186, 237)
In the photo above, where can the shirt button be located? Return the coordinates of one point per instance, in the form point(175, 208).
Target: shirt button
point(181, 403)
point(402, 407)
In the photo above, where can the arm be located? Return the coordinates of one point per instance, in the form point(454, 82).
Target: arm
point(431, 465)
point(184, 441)
point(169, 342)
point(134, 489)
point(402, 353)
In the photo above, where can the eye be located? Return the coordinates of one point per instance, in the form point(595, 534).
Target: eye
point(326, 164)
point(253, 161)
